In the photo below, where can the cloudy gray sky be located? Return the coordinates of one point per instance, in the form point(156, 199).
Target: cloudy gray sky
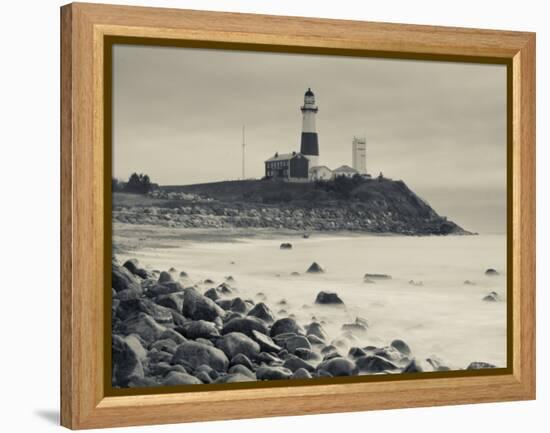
point(440, 127)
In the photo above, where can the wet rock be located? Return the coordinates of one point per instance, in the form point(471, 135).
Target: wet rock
point(166, 345)
point(199, 307)
point(294, 363)
point(297, 342)
point(272, 373)
point(295, 274)
point(307, 354)
point(239, 305)
point(213, 294)
point(491, 272)
point(262, 312)
point(354, 328)
point(126, 362)
point(437, 364)
point(133, 266)
point(328, 298)
point(234, 378)
point(413, 367)
point(242, 359)
point(224, 289)
point(127, 295)
point(401, 346)
point(194, 354)
point(416, 283)
point(164, 289)
point(265, 342)
point(469, 283)
point(245, 325)
point(268, 358)
point(136, 345)
point(154, 356)
point(199, 329)
point(314, 340)
point(179, 319)
point(374, 364)
point(242, 369)
point(235, 343)
point(172, 300)
point(301, 373)
point(285, 325)
point(492, 297)
point(315, 268)
point(123, 279)
point(132, 307)
point(144, 326)
point(178, 378)
point(315, 328)
point(356, 352)
point(230, 279)
point(478, 365)
point(163, 368)
point(208, 281)
point(377, 276)
point(183, 274)
point(165, 277)
point(286, 246)
point(338, 367)
point(203, 377)
point(225, 304)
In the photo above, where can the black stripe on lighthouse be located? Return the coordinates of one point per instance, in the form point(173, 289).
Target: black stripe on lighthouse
point(310, 144)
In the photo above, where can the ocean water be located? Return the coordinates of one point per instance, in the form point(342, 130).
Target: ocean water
point(443, 317)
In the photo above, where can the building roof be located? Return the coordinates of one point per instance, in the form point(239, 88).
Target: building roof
point(284, 156)
point(319, 167)
point(345, 169)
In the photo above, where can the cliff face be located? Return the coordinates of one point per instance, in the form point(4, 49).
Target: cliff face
point(357, 205)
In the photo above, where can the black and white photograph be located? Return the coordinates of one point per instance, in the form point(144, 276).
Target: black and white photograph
point(282, 216)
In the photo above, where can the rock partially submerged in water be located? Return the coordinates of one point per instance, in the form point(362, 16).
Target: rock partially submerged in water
point(491, 272)
point(286, 246)
point(328, 298)
point(315, 268)
point(478, 365)
point(492, 297)
point(368, 276)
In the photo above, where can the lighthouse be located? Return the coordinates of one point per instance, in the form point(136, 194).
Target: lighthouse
point(310, 145)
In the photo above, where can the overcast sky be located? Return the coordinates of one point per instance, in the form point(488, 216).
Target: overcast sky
point(440, 127)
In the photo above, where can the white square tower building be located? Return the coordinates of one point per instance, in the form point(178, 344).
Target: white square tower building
point(359, 154)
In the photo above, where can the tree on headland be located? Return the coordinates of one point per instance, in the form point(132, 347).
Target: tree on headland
point(138, 183)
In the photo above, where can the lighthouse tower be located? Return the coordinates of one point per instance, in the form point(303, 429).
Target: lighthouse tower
point(310, 144)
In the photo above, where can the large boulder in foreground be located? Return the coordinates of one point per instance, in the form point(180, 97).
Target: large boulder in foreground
point(134, 267)
point(284, 326)
point(339, 367)
point(179, 378)
point(315, 268)
point(123, 279)
point(245, 325)
point(262, 312)
point(328, 298)
point(194, 354)
point(199, 307)
point(236, 343)
point(126, 362)
point(144, 326)
point(273, 373)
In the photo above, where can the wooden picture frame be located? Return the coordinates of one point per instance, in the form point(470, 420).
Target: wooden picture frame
point(85, 28)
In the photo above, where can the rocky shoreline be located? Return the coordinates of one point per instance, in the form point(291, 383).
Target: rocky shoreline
point(328, 219)
point(170, 330)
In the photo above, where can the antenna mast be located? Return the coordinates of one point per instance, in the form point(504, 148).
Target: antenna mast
point(244, 144)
